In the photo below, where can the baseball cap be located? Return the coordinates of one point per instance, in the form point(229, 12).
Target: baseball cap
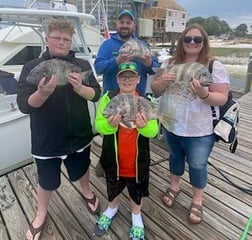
point(126, 12)
point(129, 66)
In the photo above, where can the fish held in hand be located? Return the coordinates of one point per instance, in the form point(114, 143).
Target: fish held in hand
point(57, 67)
point(128, 106)
point(187, 71)
point(134, 47)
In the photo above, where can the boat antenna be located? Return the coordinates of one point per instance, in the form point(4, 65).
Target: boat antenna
point(102, 18)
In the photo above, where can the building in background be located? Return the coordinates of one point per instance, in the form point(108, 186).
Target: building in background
point(168, 18)
point(164, 17)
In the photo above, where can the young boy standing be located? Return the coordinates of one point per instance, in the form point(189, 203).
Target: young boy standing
point(125, 166)
point(61, 131)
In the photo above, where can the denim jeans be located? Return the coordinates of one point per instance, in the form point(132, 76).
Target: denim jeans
point(193, 150)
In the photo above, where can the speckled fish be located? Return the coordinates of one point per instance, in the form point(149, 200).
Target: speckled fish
point(57, 67)
point(185, 72)
point(128, 105)
point(134, 47)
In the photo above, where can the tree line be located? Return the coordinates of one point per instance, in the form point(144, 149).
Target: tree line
point(214, 26)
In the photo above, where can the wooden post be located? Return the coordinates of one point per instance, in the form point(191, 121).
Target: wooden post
point(249, 75)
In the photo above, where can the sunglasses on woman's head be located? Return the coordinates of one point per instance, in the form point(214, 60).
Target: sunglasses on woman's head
point(197, 39)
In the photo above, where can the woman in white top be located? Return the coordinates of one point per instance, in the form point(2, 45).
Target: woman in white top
point(186, 116)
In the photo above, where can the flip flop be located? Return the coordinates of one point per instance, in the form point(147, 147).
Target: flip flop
point(92, 201)
point(171, 195)
point(34, 231)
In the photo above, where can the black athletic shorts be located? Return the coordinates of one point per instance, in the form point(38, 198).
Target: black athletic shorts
point(136, 190)
point(76, 164)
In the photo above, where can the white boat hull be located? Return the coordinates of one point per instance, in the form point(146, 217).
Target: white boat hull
point(15, 136)
point(26, 28)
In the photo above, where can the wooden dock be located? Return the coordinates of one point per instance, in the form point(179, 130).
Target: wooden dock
point(226, 207)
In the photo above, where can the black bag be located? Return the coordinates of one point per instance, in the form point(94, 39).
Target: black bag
point(226, 125)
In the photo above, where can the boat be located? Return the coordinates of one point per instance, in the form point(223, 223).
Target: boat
point(20, 41)
point(21, 38)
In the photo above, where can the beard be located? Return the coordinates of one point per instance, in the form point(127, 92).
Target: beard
point(125, 33)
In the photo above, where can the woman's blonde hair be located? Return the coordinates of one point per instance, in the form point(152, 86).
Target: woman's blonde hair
point(204, 56)
point(60, 24)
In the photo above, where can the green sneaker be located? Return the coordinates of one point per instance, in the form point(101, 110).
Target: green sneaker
point(102, 225)
point(136, 233)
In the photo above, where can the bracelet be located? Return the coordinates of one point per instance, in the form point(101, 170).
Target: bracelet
point(205, 96)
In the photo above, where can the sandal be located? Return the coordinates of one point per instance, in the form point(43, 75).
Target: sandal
point(196, 210)
point(92, 201)
point(136, 233)
point(34, 231)
point(171, 195)
point(102, 225)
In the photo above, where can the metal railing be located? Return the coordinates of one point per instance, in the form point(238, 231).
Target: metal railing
point(249, 75)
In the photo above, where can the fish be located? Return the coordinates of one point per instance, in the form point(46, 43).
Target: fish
point(128, 105)
point(57, 67)
point(187, 71)
point(134, 47)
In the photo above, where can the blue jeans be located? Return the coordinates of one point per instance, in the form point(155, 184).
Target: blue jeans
point(193, 150)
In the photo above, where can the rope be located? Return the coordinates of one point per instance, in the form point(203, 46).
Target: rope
point(247, 190)
point(244, 189)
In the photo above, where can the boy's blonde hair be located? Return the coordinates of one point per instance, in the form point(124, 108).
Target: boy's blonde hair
point(60, 24)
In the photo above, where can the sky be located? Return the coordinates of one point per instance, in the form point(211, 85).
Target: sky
point(231, 11)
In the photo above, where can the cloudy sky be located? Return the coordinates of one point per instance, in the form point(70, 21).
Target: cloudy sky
point(233, 12)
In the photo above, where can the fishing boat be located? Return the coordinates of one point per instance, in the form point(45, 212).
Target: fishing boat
point(20, 41)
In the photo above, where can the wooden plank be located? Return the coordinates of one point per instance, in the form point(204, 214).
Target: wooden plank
point(184, 199)
point(62, 218)
point(26, 194)
point(3, 230)
point(11, 211)
point(71, 195)
point(213, 190)
point(210, 215)
point(161, 218)
point(152, 230)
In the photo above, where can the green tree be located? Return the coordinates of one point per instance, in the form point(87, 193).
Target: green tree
point(241, 30)
point(199, 20)
point(213, 25)
point(225, 28)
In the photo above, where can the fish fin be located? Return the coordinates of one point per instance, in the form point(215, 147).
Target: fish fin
point(85, 75)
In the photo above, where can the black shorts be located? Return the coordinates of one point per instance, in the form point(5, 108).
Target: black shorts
point(136, 190)
point(49, 170)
